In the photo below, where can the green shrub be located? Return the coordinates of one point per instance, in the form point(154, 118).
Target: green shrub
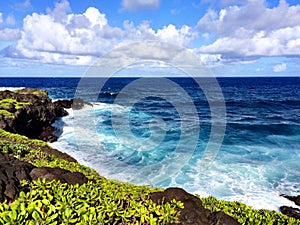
point(95, 202)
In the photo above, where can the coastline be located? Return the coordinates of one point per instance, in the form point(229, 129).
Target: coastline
point(240, 205)
point(65, 127)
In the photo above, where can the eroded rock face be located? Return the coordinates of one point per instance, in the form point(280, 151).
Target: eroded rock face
point(13, 170)
point(193, 213)
point(291, 211)
point(30, 113)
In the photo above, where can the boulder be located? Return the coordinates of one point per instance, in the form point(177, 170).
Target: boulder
point(64, 176)
point(290, 211)
point(193, 213)
point(13, 170)
point(75, 104)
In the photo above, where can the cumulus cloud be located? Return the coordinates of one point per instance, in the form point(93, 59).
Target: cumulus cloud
point(61, 36)
point(253, 30)
point(67, 38)
point(182, 36)
point(140, 5)
point(279, 68)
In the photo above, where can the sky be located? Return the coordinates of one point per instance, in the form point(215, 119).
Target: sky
point(231, 37)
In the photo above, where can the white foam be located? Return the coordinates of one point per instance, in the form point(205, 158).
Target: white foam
point(11, 88)
point(232, 177)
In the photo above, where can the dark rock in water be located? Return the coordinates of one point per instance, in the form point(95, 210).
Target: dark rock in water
point(29, 112)
point(13, 170)
point(295, 199)
point(76, 103)
point(48, 134)
point(290, 211)
point(63, 103)
point(193, 213)
point(64, 176)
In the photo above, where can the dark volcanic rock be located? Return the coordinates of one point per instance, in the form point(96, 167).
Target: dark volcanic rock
point(290, 211)
point(76, 103)
point(295, 199)
point(193, 213)
point(13, 170)
point(65, 176)
point(33, 116)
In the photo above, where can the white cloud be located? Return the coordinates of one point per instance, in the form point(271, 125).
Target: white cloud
point(279, 68)
point(182, 36)
point(67, 38)
point(140, 5)
point(7, 34)
point(253, 30)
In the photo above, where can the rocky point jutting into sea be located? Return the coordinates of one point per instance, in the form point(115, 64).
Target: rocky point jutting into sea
point(30, 112)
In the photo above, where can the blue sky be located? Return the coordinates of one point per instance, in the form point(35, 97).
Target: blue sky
point(233, 38)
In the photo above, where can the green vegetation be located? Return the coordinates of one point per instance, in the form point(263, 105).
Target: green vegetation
point(246, 215)
point(101, 201)
point(7, 102)
point(40, 92)
point(6, 113)
point(95, 202)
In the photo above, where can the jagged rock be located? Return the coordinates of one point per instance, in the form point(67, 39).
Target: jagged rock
point(34, 118)
point(295, 199)
point(76, 103)
point(290, 211)
point(193, 213)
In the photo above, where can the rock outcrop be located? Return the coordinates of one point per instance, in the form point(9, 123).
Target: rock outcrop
point(29, 112)
point(75, 104)
point(291, 211)
point(13, 170)
point(193, 213)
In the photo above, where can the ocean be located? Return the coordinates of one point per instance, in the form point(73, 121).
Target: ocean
point(145, 133)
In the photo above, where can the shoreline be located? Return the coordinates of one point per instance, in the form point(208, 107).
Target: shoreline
point(280, 201)
point(232, 203)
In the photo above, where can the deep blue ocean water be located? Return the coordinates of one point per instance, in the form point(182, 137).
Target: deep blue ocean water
point(259, 157)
